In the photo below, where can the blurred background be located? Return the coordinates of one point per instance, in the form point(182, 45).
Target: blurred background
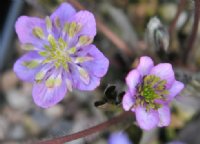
point(127, 29)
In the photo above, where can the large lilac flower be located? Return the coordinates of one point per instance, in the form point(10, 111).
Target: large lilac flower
point(61, 56)
point(119, 138)
point(150, 91)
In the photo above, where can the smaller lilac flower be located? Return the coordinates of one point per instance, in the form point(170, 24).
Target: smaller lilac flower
point(150, 91)
point(119, 138)
point(61, 54)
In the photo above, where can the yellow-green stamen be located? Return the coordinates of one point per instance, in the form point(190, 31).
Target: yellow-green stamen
point(38, 32)
point(152, 88)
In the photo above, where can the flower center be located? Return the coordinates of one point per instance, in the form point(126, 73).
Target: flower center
point(153, 88)
point(58, 52)
point(61, 51)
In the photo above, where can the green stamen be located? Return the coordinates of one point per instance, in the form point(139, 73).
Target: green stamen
point(72, 50)
point(57, 22)
point(62, 44)
point(39, 76)
point(84, 40)
point(83, 59)
point(84, 75)
point(48, 23)
point(72, 29)
point(50, 82)
point(38, 32)
point(151, 89)
point(31, 64)
point(28, 47)
point(52, 41)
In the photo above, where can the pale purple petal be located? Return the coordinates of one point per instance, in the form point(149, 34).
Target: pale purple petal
point(132, 79)
point(164, 116)
point(63, 12)
point(25, 73)
point(99, 65)
point(146, 119)
point(145, 65)
point(165, 72)
point(94, 83)
point(77, 83)
point(119, 138)
point(87, 20)
point(47, 97)
point(175, 89)
point(24, 27)
point(128, 101)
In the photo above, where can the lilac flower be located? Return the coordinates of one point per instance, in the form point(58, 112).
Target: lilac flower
point(150, 91)
point(61, 56)
point(119, 138)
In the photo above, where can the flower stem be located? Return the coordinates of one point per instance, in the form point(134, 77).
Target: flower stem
point(89, 131)
point(193, 35)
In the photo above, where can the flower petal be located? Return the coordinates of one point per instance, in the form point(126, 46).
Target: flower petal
point(132, 79)
point(145, 65)
point(24, 29)
point(47, 97)
point(63, 12)
point(128, 101)
point(80, 84)
point(175, 89)
point(146, 119)
point(164, 116)
point(87, 20)
point(165, 72)
point(119, 138)
point(27, 66)
point(99, 64)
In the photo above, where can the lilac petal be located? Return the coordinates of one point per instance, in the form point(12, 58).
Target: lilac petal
point(146, 119)
point(87, 21)
point(132, 79)
point(47, 97)
point(165, 72)
point(24, 27)
point(99, 65)
point(81, 85)
point(128, 101)
point(25, 73)
point(63, 12)
point(175, 89)
point(164, 116)
point(145, 65)
point(119, 138)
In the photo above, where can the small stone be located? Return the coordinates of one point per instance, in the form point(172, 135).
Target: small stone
point(9, 80)
point(54, 112)
point(3, 127)
point(41, 119)
point(60, 128)
point(19, 100)
point(17, 132)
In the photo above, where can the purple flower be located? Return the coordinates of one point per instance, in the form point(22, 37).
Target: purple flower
point(150, 91)
point(119, 138)
point(61, 56)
